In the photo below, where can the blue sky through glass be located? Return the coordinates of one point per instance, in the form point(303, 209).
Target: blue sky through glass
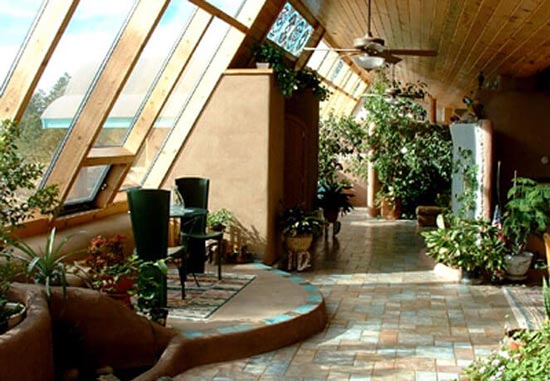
point(16, 17)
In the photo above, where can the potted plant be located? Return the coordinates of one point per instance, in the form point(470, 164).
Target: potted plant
point(526, 212)
point(288, 80)
point(298, 227)
point(44, 266)
point(219, 220)
point(266, 55)
point(412, 158)
point(461, 242)
point(526, 359)
point(110, 270)
point(333, 198)
point(11, 313)
point(470, 245)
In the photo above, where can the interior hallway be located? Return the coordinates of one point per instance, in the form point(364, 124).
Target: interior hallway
point(390, 316)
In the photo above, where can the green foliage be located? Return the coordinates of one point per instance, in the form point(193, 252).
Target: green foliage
point(527, 361)
point(470, 185)
point(151, 292)
point(18, 176)
point(46, 266)
point(219, 219)
point(546, 297)
point(288, 80)
point(466, 244)
point(107, 263)
point(340, 138)
point(412, 158)
point(527, 211)
point(295, 221)
point(333, 196)
point(32, 132)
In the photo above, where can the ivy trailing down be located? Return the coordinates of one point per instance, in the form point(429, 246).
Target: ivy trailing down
point(289, 80)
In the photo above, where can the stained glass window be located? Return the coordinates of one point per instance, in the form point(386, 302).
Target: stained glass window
point(290, 31)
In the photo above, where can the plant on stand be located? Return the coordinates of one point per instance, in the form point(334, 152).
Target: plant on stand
point(299, 228)
point(333, 198)
point(220, 219)
point(526, 212)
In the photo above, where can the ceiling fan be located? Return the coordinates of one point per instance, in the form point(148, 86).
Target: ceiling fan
point(372, 50)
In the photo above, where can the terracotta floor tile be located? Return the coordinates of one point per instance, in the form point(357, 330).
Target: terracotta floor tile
point(391, 317)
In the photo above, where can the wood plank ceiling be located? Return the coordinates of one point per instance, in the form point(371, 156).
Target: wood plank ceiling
point(510, 37)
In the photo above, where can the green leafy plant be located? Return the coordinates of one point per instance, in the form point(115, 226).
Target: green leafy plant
point(466, 244)
point(151, 291)
point(340, 140)
point(412, 159)
point(288, 80)
point(19, 199)
point(45, 266)
point(526, 360)
point(546, 298)
point(219, 219)
point(526, 212)
point(10, 270)
point(296, 221)
point(333, 196)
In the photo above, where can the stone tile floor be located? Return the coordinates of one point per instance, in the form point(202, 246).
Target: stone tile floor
point(390, 316)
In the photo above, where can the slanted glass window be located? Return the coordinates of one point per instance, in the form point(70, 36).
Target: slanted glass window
point(318, 56)
point(231, 8)
point(87, 184)
point(336, 70)
point(290, 31)
point(179, 99)
point(145, 74)
point(72, 69)
point(16, 20)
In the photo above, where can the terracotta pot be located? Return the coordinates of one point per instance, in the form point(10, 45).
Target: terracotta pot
point(299, 243)
point(331, 215)
point(390, 210)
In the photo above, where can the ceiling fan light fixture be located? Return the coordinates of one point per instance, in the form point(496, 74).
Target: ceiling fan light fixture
point(369, 62)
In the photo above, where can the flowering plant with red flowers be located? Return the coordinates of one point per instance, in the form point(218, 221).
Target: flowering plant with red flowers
point(110, 269)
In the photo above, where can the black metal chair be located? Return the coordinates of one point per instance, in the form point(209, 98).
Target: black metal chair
point(194, 192)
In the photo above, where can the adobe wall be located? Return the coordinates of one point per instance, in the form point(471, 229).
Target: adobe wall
point(520, 120)
point(237, 142)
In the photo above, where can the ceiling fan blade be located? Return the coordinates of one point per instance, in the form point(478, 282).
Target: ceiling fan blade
point(413, 52)
point(389, 58)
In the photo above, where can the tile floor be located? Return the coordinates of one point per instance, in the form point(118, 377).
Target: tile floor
point(391, 316)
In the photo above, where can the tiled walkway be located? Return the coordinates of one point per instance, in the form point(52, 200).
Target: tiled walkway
point(391, 316)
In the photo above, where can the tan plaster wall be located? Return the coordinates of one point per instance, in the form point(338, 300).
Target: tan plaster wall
point(520, 121)
point(238, 143)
